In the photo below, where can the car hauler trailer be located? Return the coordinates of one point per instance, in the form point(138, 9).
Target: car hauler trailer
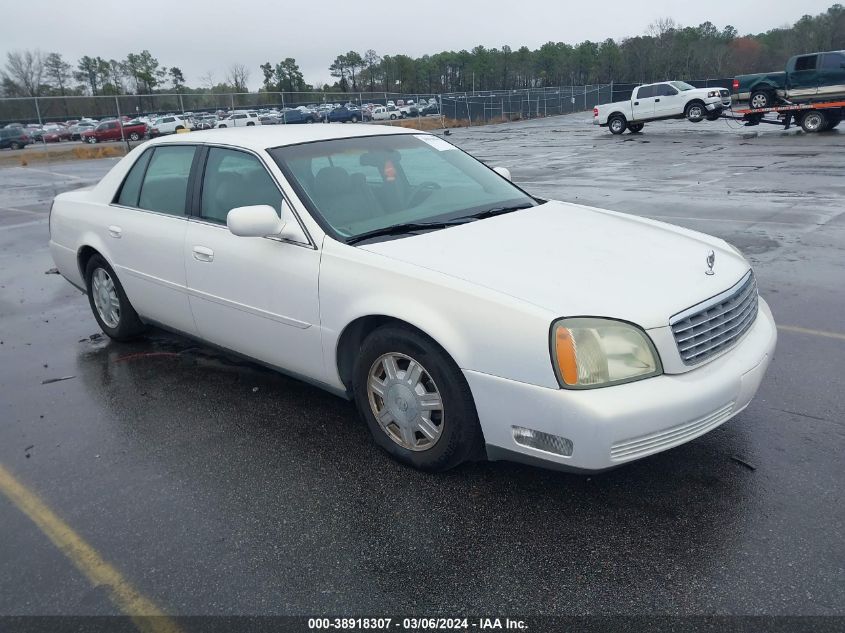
point(812, 117)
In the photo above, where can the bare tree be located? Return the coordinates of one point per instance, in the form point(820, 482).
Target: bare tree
point(26, 68)
point(207, 80)
point(238, 75)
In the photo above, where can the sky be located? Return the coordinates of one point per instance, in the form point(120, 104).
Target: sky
point(200, 36)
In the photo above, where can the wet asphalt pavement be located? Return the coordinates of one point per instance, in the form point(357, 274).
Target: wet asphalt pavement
point(217, 487)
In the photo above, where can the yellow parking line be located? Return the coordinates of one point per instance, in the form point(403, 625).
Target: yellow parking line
point(86, 559)
point(803, 330)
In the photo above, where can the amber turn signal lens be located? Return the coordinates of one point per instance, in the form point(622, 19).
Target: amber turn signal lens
point(565, 351)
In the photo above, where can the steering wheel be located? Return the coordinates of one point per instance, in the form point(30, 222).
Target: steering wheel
point(424, 190)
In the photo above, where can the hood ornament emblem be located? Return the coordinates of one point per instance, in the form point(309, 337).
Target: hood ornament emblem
point(711, 259)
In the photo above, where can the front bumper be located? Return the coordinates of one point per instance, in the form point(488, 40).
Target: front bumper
point(614, 425)
point(718, 105)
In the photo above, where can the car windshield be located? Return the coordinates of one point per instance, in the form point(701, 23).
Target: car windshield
point(682, 86)
point(360, 185)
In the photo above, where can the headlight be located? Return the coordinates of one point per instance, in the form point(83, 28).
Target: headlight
point(590, 352)
point(713, 93)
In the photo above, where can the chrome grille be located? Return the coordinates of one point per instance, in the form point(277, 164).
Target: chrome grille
point(711, 327)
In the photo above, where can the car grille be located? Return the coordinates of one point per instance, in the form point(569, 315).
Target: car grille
point(667, 438)
point(713, 326)
point(724, 93)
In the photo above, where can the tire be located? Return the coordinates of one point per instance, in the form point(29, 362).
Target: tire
point(127, 325)
point(250, 124)
point(617, 124)
point(222, 126)
point(832, 121)
point(813, 121)
point(713, 116)
point(91, 139)
point(636, 128)
point(392, 117)
point(760, 99)
point(134, 136)
point(15, 145)
point(454, 425)
point(695, 112)
point(354, 119)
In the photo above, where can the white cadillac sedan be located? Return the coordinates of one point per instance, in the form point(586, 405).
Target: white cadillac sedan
point(465, 317)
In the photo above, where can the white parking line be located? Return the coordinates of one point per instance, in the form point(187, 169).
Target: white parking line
point(16, 210)
point(52, 173)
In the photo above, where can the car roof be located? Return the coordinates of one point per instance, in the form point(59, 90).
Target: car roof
point(260, 137)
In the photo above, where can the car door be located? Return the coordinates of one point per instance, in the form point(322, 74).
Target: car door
point(667, 101)
point(255, 296)
point(832, 75)
point(145, 235)
point(642, 105)
point(803, 80)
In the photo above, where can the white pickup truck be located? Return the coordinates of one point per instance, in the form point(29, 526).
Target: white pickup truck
point(666, 100)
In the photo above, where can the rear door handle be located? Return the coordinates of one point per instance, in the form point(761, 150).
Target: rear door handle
point(636, 103)
point(203, 254)
point(115, 231)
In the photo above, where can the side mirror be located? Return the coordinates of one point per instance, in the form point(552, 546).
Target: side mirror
point(259, 220)
point(504, 172)
point(262, 221)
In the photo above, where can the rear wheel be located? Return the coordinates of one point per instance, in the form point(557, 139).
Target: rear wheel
point(617, 124)
point(760, 99)
point(695, 112)
point(392, 117)
point(415, 400)
point(636, 128)
point(91, 139)
point(354, 119)
point(134, 136)
point(108, 301)
point(833, 121)
point(15, 145)
point(813, 121)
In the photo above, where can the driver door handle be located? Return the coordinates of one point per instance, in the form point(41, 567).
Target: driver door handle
point(656, 100)
point(203, 254)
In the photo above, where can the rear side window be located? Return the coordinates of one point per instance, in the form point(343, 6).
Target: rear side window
point(807, 62)
point(165, 185)
point(645, 92)
point(131, 188)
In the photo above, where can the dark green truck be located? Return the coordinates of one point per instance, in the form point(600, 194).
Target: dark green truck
point(808, 78)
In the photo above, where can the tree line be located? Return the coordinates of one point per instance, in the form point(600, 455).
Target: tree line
point(666, 51)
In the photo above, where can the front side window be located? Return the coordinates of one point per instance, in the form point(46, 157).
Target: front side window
point(682, 86)
point(365, 184)
point(665, 90)
point(235, 179)
point(165, 185)
point(833, 61)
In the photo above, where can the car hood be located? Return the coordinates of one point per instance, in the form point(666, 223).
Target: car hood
point(578, 261)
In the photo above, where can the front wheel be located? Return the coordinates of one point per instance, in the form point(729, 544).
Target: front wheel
point(415, 400)
point(695, 112)
point(91, 139)
point(617, 124)
point(392, 117)
point(111, 308)
point(134, 136)
point(354, 119)
point(636, 128)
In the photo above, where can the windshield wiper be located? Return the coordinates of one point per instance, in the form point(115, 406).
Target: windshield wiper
point(489, 213)
point(402, 229)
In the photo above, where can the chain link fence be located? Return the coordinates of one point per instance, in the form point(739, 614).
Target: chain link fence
point(473, 108)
